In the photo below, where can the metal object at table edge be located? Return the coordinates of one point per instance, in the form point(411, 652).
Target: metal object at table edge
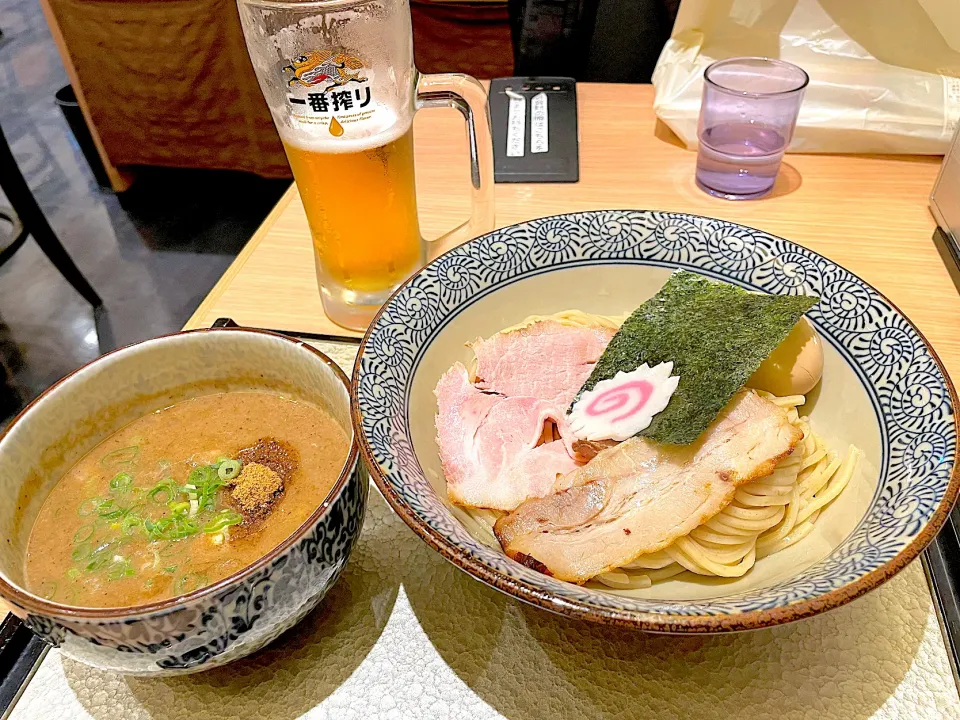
point(941, 560)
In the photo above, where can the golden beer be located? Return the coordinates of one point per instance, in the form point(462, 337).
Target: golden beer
point(362, 209)
point(341, 85)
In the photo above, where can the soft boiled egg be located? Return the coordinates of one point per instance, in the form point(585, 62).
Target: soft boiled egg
point(796, 365)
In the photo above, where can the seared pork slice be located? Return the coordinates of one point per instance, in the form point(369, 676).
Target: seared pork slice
point(640, 496)
point(488, 445)
point(586, 450)
point(547, 360)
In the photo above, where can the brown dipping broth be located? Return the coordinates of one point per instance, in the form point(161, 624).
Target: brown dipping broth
point(114, 532)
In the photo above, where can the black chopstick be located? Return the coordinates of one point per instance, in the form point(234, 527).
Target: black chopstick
point(941, 563)
point(941, 560)
point(229, 322)
point(20, 655)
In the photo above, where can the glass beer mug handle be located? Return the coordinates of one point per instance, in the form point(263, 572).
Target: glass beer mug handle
point(467, 95)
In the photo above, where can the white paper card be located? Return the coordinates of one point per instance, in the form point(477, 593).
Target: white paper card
point(539, 124)
point(516, 124)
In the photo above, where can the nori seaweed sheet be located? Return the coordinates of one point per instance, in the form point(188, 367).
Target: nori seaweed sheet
point(716, 334)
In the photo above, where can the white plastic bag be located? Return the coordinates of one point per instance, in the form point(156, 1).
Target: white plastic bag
point(883, 77)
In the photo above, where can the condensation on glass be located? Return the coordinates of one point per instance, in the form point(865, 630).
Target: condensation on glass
point(342, 87)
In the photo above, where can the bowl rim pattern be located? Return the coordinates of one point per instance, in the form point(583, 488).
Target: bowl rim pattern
point(21, 598)
point(646, 620)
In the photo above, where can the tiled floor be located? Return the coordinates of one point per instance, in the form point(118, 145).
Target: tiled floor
point(152, 253)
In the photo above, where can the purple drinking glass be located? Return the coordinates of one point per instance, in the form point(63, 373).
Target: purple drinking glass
point(747, 116)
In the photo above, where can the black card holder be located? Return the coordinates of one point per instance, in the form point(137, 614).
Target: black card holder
point(540, 142)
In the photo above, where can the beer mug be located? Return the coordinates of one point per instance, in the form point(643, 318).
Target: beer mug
point(339, 78)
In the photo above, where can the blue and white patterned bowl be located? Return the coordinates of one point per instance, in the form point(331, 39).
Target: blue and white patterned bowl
point(235, 616)
point(884, 390)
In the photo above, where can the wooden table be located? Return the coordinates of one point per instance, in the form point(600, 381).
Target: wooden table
point(867, 213)
point(405, 634)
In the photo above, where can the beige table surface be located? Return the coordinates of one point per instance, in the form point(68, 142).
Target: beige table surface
point(866, 213)
point(406, 635)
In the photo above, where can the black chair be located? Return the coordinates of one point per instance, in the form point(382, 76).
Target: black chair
point(27, 218)
point(590, 40)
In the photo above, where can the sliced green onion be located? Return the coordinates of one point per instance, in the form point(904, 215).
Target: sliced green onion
point(124, 513)
point(73, 573)
point(170, 569)
point(48, 588)
point(184, 529)
point(99, 557)
point(205, 476)
point(201, 475)
point(224, 519)
point(202, 486)
point(174, 528)
point(179, 508)
point(98, 562)
point(190, 582)
point(81, 552)
point(158, 529)
point(130, 523)
point(83, 534)
point(109, 510)
point(122, 540)
point(164, 492)
point(121, 482)
point(122, 456)
point(120, 569)
point(89, 506)
point(229, 469)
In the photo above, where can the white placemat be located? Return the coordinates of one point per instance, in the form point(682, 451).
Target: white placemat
point(404, 634)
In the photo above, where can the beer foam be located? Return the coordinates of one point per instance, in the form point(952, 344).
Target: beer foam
point(383, 127)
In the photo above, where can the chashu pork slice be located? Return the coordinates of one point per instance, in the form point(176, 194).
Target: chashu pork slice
point(489, 445)
point(640, 496)
point(546, 360)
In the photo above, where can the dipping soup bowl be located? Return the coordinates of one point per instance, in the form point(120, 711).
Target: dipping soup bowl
point(234, 616)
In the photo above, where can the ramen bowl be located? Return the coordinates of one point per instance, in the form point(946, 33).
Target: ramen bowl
point(234, 616)
point(883, 390)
